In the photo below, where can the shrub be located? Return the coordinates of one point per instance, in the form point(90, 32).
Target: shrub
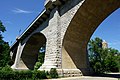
point(37, 65)
point(6, 68)
point(6, 73)
point(53, 73)
point(39, 74)
point(25, 74)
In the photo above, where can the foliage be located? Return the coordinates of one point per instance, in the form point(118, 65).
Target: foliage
point(7, 73)
point(53, 73)
point(2, 28)
point(41, 56)
point(95, 48)
point(4, 48)
point(5, 55)
point(103, 60)
point(40, 61)
point(6, 68)
point(39, 75)
point(37, 65)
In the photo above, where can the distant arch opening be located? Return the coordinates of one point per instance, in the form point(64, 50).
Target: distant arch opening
point(31, 52)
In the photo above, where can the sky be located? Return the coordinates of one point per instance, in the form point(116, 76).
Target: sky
point(109, 30)
point(16, 16)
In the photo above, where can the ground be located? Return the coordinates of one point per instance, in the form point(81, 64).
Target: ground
point(109, 76)
point(86, 78)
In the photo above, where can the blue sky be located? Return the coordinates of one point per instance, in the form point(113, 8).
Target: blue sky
point(109, 30)
point(16, 15)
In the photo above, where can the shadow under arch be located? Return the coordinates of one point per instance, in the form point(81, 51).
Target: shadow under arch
point(30, 52)
point(89, 16)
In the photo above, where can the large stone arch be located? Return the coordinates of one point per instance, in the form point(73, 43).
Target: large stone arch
point(88, 17)
point(30, 52)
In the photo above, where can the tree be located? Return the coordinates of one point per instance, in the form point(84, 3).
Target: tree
point(4, 48)
point(111, 60)
point(2, 29)
point(103, 59)
point(118, 61)
point(95, 48)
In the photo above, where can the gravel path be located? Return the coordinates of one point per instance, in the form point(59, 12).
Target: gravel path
point(86, 78)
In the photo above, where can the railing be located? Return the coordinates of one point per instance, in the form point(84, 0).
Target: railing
point(49, 3)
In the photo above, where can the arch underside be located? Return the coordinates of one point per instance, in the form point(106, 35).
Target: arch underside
point(89, 16)
point(30, 53)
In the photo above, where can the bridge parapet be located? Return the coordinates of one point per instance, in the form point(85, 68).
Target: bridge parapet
point(49, 4)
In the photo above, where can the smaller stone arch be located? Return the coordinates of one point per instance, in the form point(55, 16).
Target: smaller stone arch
point(30, 52)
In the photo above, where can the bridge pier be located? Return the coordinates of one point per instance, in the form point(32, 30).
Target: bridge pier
point(53, 44)
point(16, 64)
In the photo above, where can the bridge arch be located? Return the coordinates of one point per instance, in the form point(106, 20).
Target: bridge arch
point(30, 52)
point(88, 17)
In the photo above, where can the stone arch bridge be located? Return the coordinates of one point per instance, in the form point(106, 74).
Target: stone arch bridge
point(65, 27)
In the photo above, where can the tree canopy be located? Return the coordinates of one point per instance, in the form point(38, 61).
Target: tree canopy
point(103, 59)
point(4, 48)
point(2, 28)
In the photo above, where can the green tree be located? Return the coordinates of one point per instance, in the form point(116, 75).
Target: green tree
point(4, 48)
point(111, 60)
point(2, 28)
point(118, 61)
point(95, 48)
point(103, 59)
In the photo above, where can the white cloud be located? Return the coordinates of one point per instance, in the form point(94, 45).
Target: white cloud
point(8, 22)
point(17, 10)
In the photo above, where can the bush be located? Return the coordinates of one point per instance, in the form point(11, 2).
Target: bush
point(39, 75)
point(7, 73)
point(37, 65)
point(4, 75)
point(25, 74)
point(7, 68)
point(53, 73)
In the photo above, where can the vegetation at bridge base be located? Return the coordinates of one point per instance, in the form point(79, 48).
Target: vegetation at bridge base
point(103, 60)
point(6, 73)
point(53, 73)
